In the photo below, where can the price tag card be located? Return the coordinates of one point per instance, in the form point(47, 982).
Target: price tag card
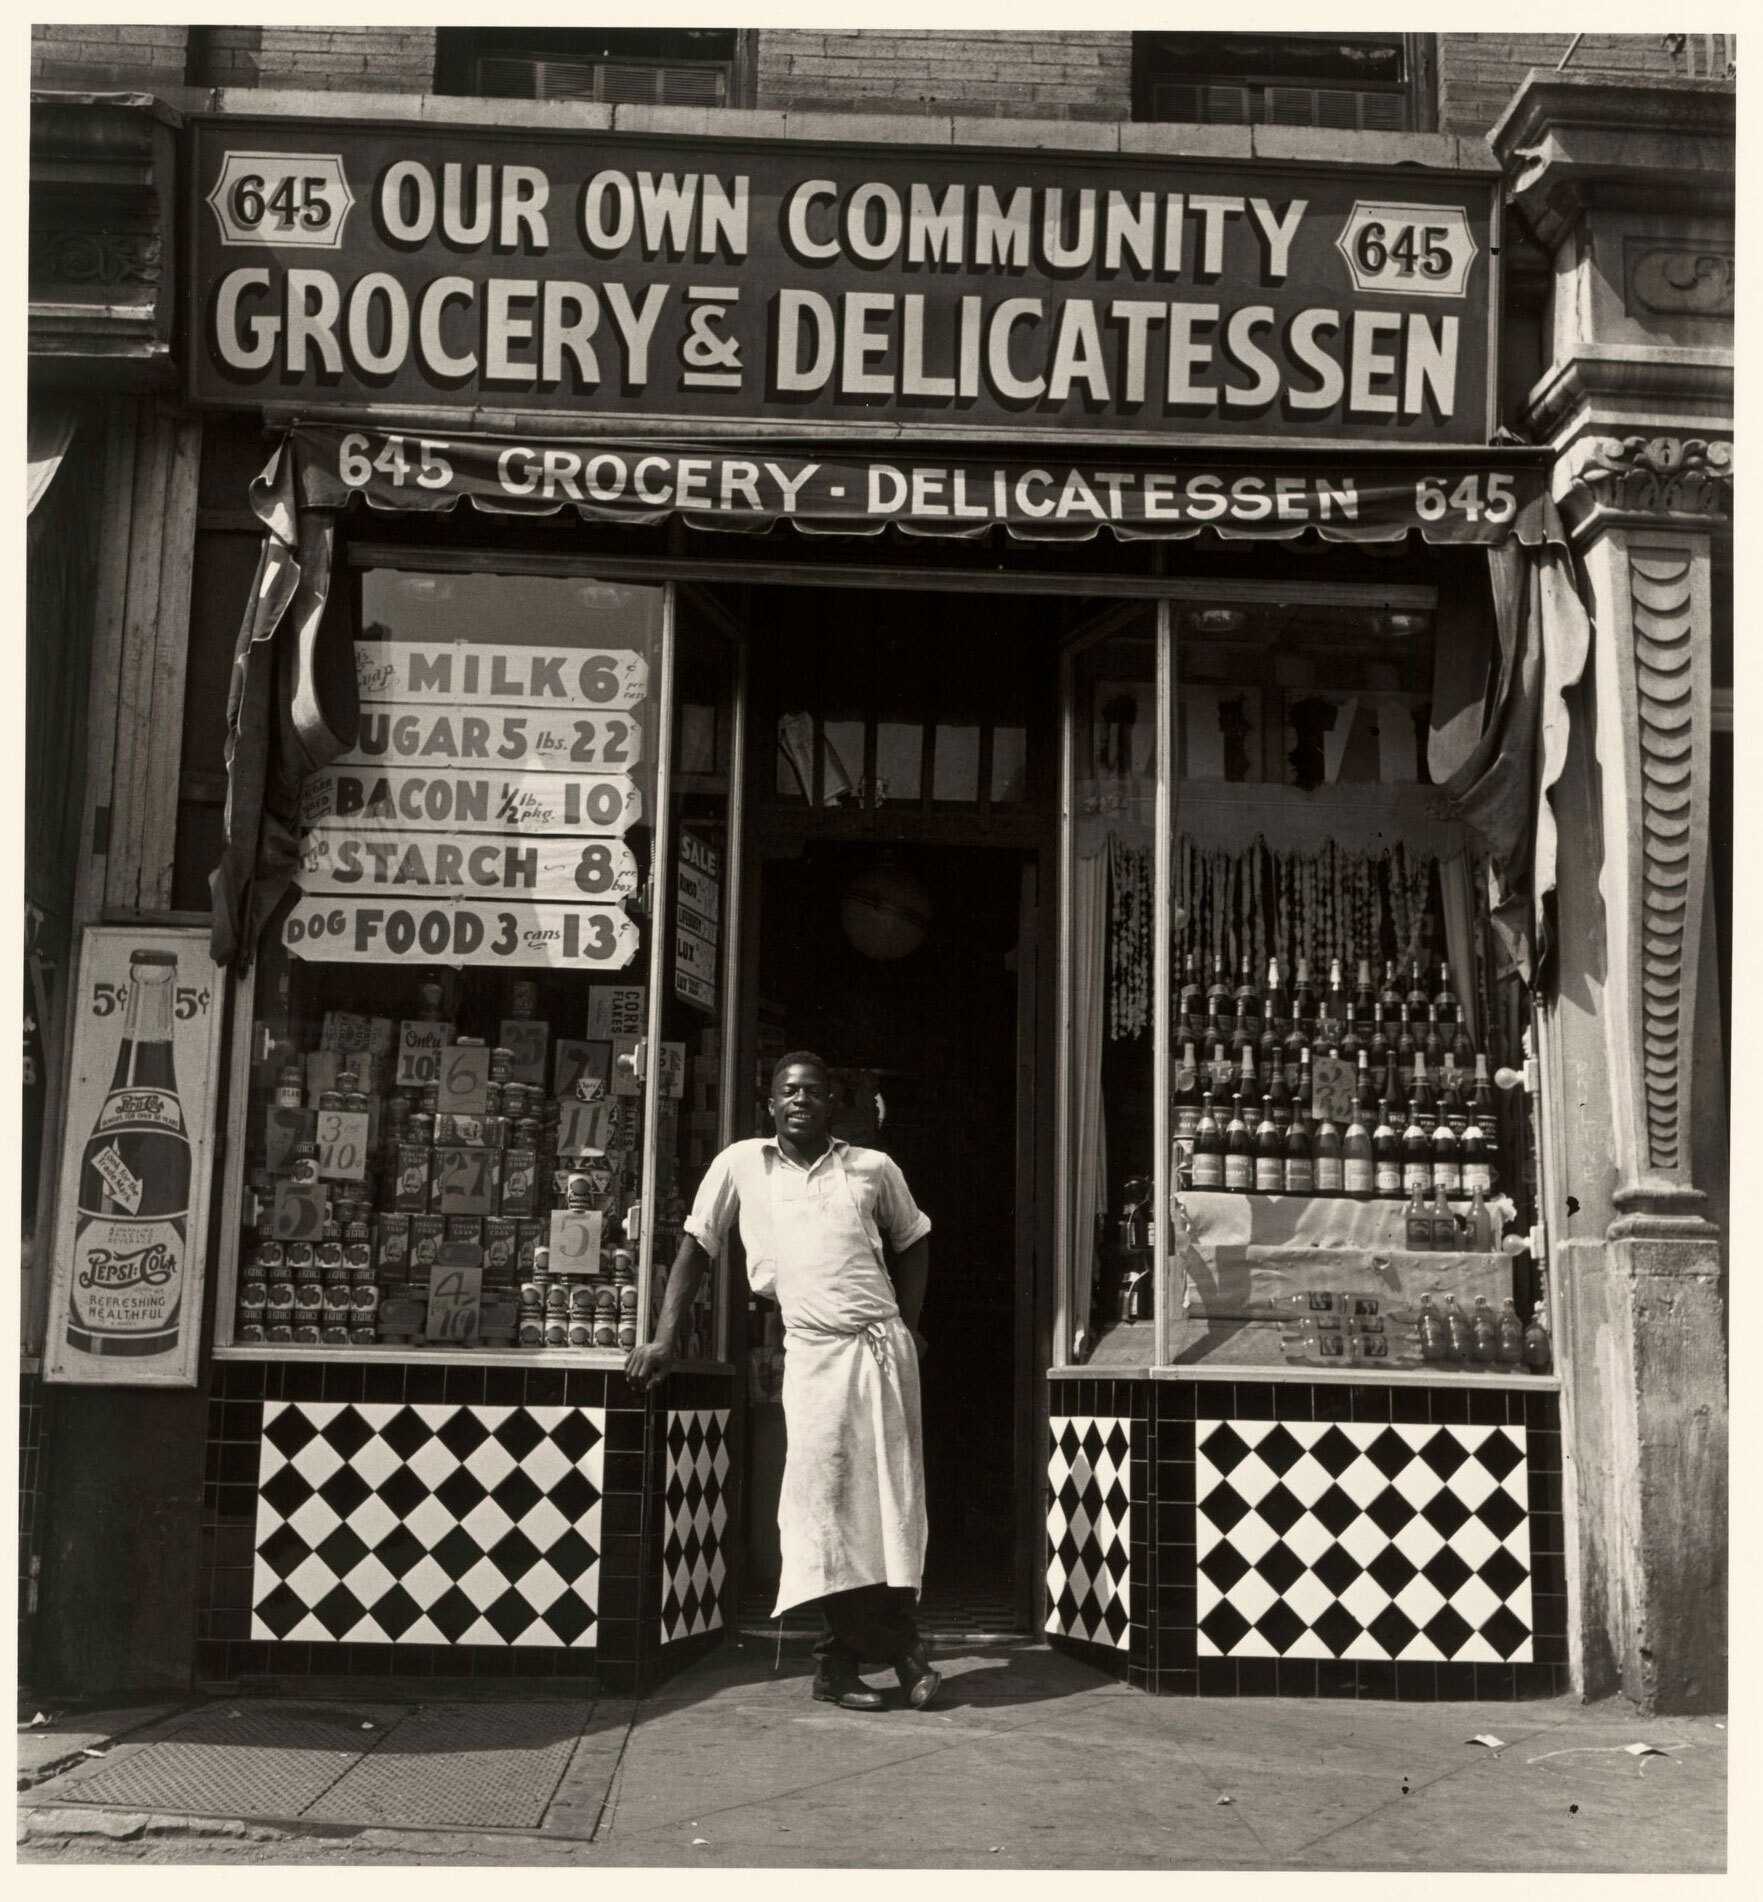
point(575, 1241)
point(464, 1180)
point(455, 1299)
point(422, 1042)
point(282, 1128)
point(583, 1069)
point(343, 1144)
point(464, 1079)
point(345, 1030)
point(299, 1211)
point(526, 1038)
point(585, 1128)
point(1332, 1082)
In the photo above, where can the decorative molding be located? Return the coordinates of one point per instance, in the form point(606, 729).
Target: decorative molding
point(1660, 586)
point(99, 258)
point(1686, 481)
point(1681, 280)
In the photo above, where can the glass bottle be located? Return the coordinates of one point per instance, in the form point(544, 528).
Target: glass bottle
point(1208, 1160)
point(1191, 1010)
point(1433, 1043)
point(1358, 1174)
point(1457, 1333)
point(1218, 998)
point(1417, 1224)
point(1275, 1005)
point(1389, 998)
point(1364, 999)
point(1451, 1106)
point(1511, 1335)
point(1303, 1000)
point(1418, 997)
point(1386, 1154)
point(1352, 1045)
point(1270, 1156)
point(1248, 1003)
point(1293, 1053)
point(1478, 1178)
point(1445, 1232)
point(1416, 1155)
point(1377, 1048)
point(1215, 1031)
point(1248, 1086)
point(1537, 1350)
point(1487, 1113)
point(1420, 1095)
point(1300, 1157)
point(1365, 1087)
point(1462, 1047)
point(125, 1291)
point(1270, 1052)
point(1434, 1341)
point(1328, 1158)
point(1334, 1015)
point(1278, 1100)
point(1481, 1225)
point(1445, 998)
point(1239, 1152)
point(1484, 1332)
point(1406, 1050)
point(1305, 1092)
point(1447, 1164)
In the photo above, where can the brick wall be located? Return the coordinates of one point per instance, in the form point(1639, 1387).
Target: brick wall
point(348, 58)
point(108, 58)
point(1479, 72)
point(992, 75)
point(225, 55)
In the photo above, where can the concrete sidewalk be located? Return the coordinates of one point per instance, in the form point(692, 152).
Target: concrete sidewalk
point(1027, 1761)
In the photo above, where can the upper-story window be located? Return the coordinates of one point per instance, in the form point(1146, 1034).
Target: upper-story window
point(1368, 82)
point(611, 66)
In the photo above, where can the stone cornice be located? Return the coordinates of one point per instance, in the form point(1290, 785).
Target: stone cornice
point(1655, 481)
point(1614, 386)
point(1568, 140)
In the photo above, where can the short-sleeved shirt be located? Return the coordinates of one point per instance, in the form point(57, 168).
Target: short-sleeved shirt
point(813, 1236)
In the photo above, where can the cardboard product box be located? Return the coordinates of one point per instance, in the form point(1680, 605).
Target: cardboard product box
point(427, 1232)
point(501, 1246)
point(394, 1243)
point(466, 1230)
point(410, 1192)
point(520, 1182)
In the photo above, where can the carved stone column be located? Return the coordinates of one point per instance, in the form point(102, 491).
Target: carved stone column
point(1628, 187)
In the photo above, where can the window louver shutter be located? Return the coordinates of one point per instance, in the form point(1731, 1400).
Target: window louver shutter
point(605, 82)
point(1336, 108)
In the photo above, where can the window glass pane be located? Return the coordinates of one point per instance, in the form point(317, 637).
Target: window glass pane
point(956, 774)
point(842, 763)
point(899, 762)
point(1009, 764)
point(454, 961)
point(794, 777)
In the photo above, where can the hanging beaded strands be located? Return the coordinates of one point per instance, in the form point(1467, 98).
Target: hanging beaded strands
point(1129, 938)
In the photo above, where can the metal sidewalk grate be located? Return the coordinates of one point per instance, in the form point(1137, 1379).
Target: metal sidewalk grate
point(237, 1760)
point(460, 1766)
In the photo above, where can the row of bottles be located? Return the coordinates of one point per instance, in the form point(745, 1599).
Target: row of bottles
point(1296, 1155)
point(1448, 1334)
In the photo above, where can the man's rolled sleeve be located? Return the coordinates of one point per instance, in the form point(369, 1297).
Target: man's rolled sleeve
point(901, 1219)
point(714, 1207)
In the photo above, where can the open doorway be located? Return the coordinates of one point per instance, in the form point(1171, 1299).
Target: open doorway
point(924, 1044)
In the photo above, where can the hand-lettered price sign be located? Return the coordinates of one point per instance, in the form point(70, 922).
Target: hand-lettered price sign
point(422, 1042)
point(575, 1241)
point(427, 673)
point(583, 1069)
point(464, 1079)
point(526, 1038)
point(424, 864)
point(472, 931)
point(394, 735)
point(455, 1301)
point(299, 1211)
point(342, 1144)
point(465, 1179)
point(579, 805)
point(585, 1129)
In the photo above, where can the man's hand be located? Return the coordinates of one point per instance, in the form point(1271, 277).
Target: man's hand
point(646, 1366)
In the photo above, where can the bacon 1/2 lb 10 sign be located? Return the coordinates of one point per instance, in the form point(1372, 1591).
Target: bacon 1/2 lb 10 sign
point(131, 1223)
point(455, 799)
point(938, 290)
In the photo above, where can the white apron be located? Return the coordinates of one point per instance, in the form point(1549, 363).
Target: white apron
point(852, 1507)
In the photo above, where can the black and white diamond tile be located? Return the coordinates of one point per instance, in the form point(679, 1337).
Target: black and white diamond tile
point(693, 1568)
point(1089, 1585)
point(1329, 1540)
point(429, 1524)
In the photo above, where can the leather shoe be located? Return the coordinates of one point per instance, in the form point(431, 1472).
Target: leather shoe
point(917, 1679)
point(849, 1693)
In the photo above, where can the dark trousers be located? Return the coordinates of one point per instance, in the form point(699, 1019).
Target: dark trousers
point(872, 1624)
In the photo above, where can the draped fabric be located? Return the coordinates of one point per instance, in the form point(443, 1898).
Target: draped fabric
point(49, 429)
point(279, 723)
point(1500, 730)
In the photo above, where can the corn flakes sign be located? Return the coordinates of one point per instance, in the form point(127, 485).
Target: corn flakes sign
point(816, 288)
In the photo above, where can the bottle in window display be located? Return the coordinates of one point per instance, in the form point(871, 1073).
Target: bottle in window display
point(1445, 998)
point(1487, 1112)
point(1389, 998)
point(1208, 1161)
point(1275, 1005)
point(1477, 1177)
point(1447, 1162)
point(1358, 1173)
point(1239, 1151)
point(1434, 1041)
point(1484, 1333)
point(1457, 1335)
point(1187, 1095)
point(1248, 1089)
point(1351, 1046)
point(1278, 1100)
point(1416, 1156)
point(1247, 1001)
point(1451, 1107)
point(1510, 1349)
point(1218, 998)
point(1386, 1154)
point(1417, 1223)
point(1300, 1157)
point(1270, 1052)
point(1270, 1156)
point(1364, 1000)
point(1296, 1049)
point(1418, 996)
point(1537, 1350)
point(1328, 1156)
point(1365, 1088)
point(1405, 1051)
point(1333, 1018)
point(1420, 1096)
point(1191, 1009)
point(1462, 1047)
point(1215, 1031)
point(1303, 1000)
point(1378, 1050)
point(1434, 1342)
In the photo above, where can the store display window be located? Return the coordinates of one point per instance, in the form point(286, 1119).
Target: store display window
point(1294, 1121)
point(479, 1059)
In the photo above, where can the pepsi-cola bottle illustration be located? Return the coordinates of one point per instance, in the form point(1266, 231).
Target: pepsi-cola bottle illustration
point(131, 1236)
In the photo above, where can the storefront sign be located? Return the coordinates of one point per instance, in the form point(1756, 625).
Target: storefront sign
point(698, 894)
point(421, 863)
point(938, 290)
point(459, 800)
point(466, 672)
point(394, 733)
point(1444, 496)
point(125, 1301)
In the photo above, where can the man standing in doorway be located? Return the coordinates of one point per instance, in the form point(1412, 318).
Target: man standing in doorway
point(813, 1214)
